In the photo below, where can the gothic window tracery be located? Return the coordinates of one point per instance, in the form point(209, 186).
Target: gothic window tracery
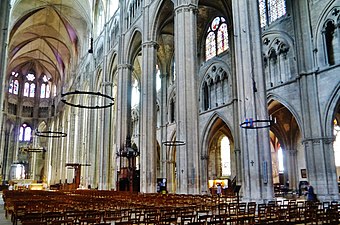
point(217, 38)
point(14, 84)
point(278, 57)
point(45, 90)
point(271, 10)
point(328, 46)
point(29, 86)
point(25, 132)
point(329, 40)
point(215, 89)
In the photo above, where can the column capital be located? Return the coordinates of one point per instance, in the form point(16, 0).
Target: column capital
point(318, 140)
point(107, 83)
point(163, 75)
point(125, 66)
point(186, 8)
point(291, 152)
point(152, 44)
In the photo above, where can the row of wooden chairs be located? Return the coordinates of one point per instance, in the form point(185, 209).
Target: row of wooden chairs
point(95, 207)
point(230, 213)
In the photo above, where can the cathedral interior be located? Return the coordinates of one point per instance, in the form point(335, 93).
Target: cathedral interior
point(175, 96)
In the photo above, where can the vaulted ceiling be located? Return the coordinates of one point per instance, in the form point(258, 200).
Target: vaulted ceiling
point(47, 36)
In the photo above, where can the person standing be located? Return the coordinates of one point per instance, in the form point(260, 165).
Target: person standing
point(310, 193)
point(219, 190)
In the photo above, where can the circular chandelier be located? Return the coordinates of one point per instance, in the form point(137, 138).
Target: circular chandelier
point(87, 93)
point(250, 123)
point(50, 134)
point(173, 143)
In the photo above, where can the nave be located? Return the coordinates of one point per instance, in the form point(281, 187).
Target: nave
point(93, 207)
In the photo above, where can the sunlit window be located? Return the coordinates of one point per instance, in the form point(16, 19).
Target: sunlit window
point(173, 70)
point(54, 90)
point(25, 133)
point(14, 84)
point(217, 38)
point(158, 79)
point(280, 159)
point(29, 87)
point(45, 90)
point(113, 6)
point(100, 17)
point(225, 157)
point(135, 93)
point(271, 10)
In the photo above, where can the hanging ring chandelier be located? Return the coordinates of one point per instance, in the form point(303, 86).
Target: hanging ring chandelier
point(250, 123)
point(50, 134)
point(87, 93)
point(173, 143)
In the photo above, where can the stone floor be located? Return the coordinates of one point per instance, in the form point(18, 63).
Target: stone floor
point(3, 220)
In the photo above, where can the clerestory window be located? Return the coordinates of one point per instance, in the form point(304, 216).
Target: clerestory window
point(25, 132)
point(14, 84)
point(271, 10)
point(216, 41)
point(45, 90)
point(29, 87)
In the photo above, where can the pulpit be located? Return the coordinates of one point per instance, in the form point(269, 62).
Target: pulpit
point(77, 173)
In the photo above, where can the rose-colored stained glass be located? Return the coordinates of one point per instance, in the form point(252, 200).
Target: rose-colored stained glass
point(222, 38)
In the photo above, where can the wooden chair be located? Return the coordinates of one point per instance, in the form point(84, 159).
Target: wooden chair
point(203, 216)
point(152, 217)
point(187, 218)
point(112, 216)
point(169, 218)
point(52, 216)
point(31, 217)
point(261, 214)
point(62, 222)
point(89, 221)
point(34, 223)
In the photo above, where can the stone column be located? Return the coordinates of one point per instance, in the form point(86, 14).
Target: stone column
point(105, 141)
point(91, 151)
point(123, 109)
point(320, 163)
point(4, 20)
point(255, 152)
point(291, 167)
point(123, 104)
point(187, 156)
point(148, 148)
point(165, 158)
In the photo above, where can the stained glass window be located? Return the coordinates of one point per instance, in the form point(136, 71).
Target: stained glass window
point(45, 89)
point(30, 77)
point(29, 88)
point(25, 133)
point(26, 89)
point(222, 38)
point(54, 90)
point(14, 84)
point(271, 10)
point(210, 46)
point(48, 91)
point(16, 87)
point(11, 86)
point(217, 38)
point(32, 90)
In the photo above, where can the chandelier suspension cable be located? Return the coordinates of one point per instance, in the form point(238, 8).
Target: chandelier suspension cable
point(174, 142)
point(257, 122)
